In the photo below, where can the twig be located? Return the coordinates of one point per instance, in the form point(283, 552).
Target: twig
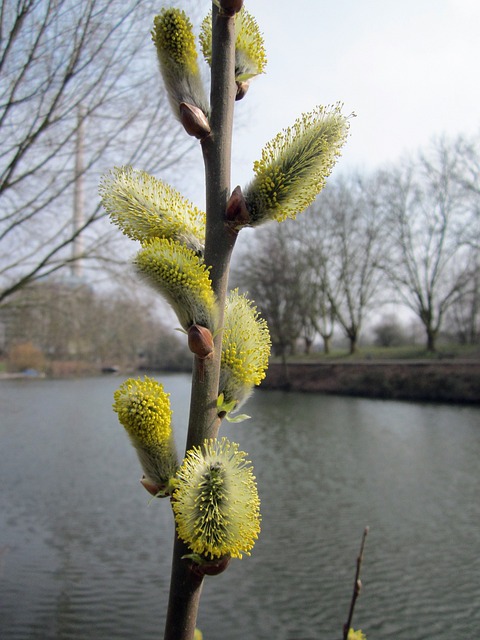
point(356, 587)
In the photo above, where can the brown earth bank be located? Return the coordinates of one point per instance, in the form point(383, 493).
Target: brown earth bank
point(452, 381)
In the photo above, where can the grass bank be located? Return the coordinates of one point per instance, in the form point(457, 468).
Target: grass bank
point(450, 375)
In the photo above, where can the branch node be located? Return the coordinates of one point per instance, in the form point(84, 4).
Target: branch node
point(237, 214)
point(194, 121)
point(230, 7)
point(203, 567)
point(200, 341)
point(242, 88)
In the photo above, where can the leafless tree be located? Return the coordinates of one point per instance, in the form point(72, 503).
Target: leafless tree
point(465, 312)
point(467, 176)
point(431, 217)
point(270, 272)
point(78, 87)
point(344, 235)
point(317, 312)
point(463, 316)
point(325, 267)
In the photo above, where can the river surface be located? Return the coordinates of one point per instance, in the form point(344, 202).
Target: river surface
point(84, 554)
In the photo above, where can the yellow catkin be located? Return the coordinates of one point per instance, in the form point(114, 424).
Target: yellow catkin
point(250, 56)
point(143, 408)
point(174, 39)
point(216, 504)
point(294, 165)
point(177, 56)
point(145, 208)
point(182, 278)
point(245, 349)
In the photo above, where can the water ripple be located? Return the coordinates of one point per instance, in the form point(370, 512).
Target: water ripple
point(82, 552)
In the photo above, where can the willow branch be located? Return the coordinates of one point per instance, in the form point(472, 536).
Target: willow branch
point(185, 588)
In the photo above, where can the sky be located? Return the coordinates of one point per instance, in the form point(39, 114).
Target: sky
point(409, 70)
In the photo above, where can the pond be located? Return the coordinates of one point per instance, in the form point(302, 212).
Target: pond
point(84, 552)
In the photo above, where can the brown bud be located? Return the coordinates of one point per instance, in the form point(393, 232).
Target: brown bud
point(231, 7)
point(194, 121)
point(211, 567)
point(242, 88)
point(152, 488)
point(200, 341)
point(237, 213)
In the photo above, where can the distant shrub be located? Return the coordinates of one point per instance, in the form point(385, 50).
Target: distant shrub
point(25, 356)
point(389, 332)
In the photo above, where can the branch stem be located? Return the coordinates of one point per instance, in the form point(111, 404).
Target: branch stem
point(185, 592)
point(185, 586)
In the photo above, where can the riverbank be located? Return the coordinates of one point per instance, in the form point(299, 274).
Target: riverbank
point(447, 380)
point(450, 381)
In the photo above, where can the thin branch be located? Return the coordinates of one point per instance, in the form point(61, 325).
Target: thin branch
point(356, 586)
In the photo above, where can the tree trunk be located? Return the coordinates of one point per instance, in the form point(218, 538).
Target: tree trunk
point(352, 343)
point(326, 344)
point(431, 340)
point(308, 345)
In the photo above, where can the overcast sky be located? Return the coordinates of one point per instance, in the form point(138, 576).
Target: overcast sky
point(409, 70)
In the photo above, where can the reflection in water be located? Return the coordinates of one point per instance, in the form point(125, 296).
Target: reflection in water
point(83, 552)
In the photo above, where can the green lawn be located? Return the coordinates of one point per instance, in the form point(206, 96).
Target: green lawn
point(412, 352)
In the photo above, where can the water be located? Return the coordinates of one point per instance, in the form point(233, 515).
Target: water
point(84, 554)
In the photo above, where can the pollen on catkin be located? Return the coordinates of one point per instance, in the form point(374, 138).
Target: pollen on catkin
point(145, 208)
point(216, 504)
point(356, 635)
point(177, 56)
point(294, 165)
point(245, 349)
point(182, 278)
point(250, 56)
point(143, 408)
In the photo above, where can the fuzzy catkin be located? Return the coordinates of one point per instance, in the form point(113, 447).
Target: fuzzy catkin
point(177, 56)
point(180, 275)
point(216, 504)
point(245, 349)
point(295, 164)
point(145, 208)
point(143, 408)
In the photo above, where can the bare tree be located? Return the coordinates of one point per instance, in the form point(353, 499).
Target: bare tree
point(345, 242)
point(431, 220)
point(67, 106)
point(467, 176)
point(465, 312)
point(316, 310)
point(325, 267)
point(463, 316)
point(271, 273)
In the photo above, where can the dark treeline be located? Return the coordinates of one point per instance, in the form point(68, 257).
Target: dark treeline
point(408, 235)
point(54, 322)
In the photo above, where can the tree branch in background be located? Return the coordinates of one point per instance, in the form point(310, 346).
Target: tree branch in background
point(57, 61)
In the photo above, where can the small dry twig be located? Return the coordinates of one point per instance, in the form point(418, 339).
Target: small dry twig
point(356, 587)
